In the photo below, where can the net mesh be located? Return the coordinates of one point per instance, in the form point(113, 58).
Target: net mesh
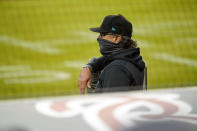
point(44, 43)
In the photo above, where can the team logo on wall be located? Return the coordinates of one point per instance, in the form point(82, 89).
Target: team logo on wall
point(114, 113)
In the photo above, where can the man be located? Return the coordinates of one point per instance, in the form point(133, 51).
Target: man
point(121, 67)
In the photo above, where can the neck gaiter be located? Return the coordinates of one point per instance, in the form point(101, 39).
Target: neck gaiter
point(108, 47)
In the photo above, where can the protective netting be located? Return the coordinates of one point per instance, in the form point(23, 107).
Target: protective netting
point(44, 43)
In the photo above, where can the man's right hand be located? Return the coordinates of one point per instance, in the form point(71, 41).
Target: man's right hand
point(84, 79)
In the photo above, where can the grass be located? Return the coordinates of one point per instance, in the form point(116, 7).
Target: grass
point(43, 35)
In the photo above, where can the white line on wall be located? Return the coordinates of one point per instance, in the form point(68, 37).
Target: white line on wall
point(53, 78)
point(13, 68)
point(167, 24)
point(190, 40)
point(66, 41)
point(75, 64)
point(35, 46)
point(22, 74)
point(175, 59)
point(30, 73)
point(48, 46)
point(78, 37)
point(143, 43)
point(162, 28)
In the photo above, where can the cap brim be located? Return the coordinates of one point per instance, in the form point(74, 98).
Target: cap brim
point(98, 29)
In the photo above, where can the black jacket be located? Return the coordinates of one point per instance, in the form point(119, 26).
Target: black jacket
point(123, 70)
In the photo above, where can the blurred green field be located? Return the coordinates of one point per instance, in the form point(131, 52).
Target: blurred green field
point(44, 43)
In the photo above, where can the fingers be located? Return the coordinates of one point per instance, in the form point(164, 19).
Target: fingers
point(82, 86)
point(89, 83)
point(84, 79)
point(82, 91)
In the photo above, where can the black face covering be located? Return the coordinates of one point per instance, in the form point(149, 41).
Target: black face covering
point(108, 47)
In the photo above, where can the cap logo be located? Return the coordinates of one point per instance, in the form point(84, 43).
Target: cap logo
point(113, 29)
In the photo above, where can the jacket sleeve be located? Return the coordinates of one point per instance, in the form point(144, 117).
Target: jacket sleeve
point(97, 64)
point(115, 77)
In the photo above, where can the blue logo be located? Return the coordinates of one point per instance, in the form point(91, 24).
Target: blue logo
point(113, 29)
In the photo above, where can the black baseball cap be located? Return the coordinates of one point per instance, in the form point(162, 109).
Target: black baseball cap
point(116, 24)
